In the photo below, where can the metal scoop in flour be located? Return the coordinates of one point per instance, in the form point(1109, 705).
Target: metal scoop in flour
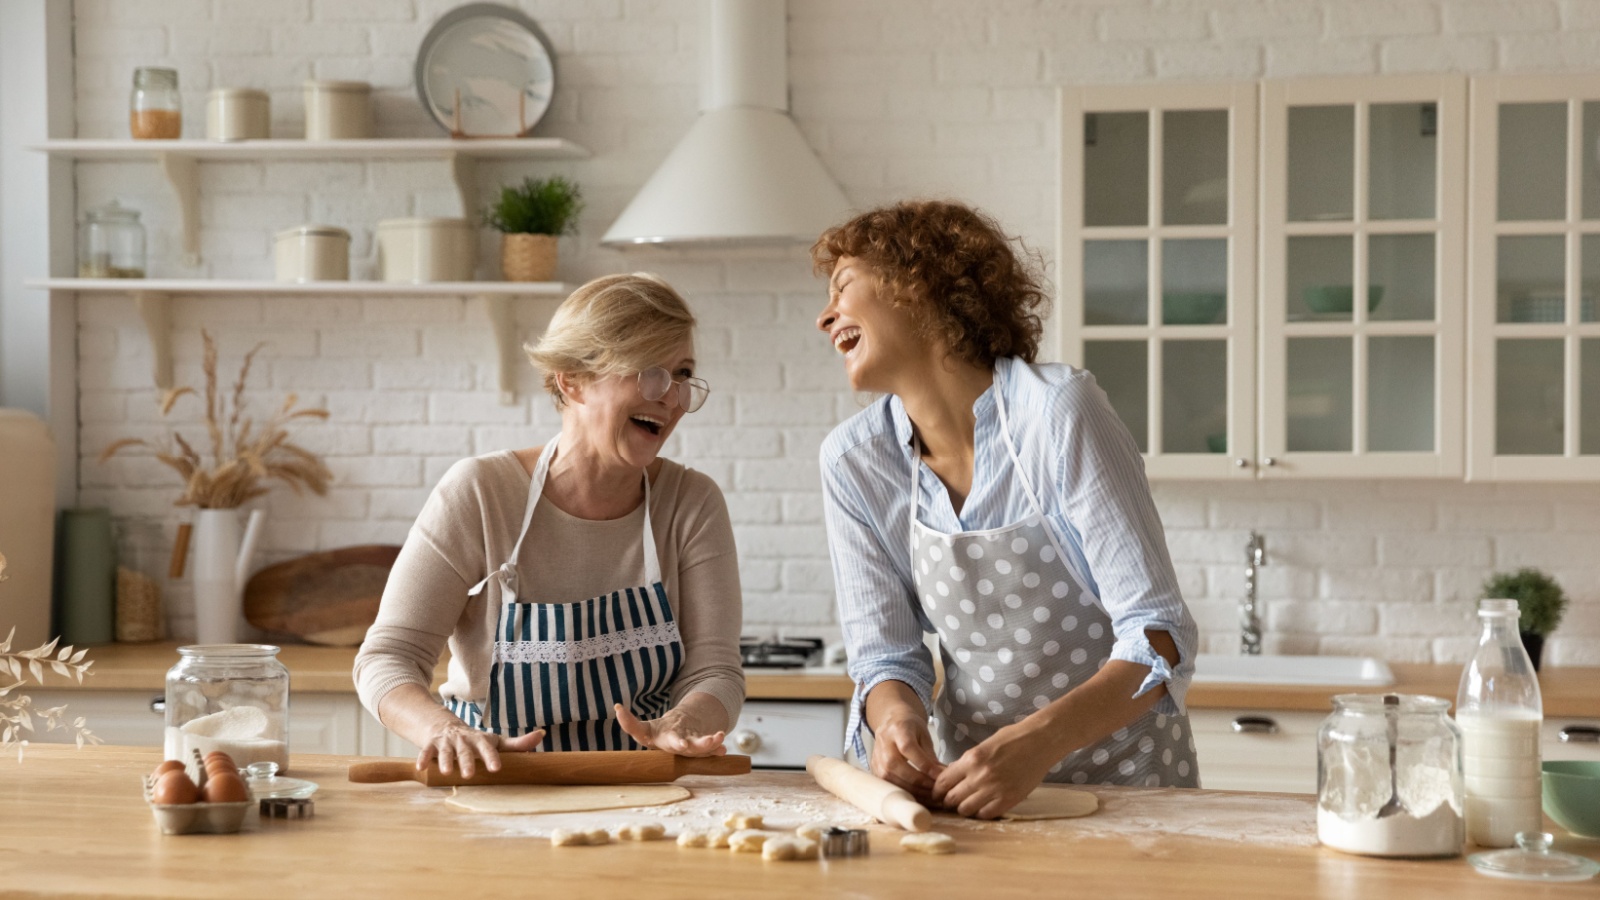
point(1391, 712)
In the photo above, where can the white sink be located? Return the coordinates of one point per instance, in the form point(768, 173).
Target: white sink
point(1212, 668)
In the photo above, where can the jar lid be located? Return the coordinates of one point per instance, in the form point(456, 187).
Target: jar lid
point(1533, 860)
point(228, 650)
point(113, 210)
point(313, 230)
point(388, 224)
point(252, 93)
point(339, 86)
point(266, 784)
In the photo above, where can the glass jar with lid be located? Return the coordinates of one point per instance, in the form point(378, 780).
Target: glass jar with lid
point(111, 243)
point(228, 697)
point(155, 110)
point(1389, 777)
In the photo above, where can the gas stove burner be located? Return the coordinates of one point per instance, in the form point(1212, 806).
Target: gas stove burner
point(789, 653)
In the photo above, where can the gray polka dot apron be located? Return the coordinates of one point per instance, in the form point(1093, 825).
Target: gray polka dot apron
point(561, 666)
point(1018, 628)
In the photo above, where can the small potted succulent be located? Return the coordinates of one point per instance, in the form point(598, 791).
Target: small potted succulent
point(530, 217)
point(1540, 602)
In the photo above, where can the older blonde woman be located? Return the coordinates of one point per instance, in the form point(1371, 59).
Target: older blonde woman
point(588, 589)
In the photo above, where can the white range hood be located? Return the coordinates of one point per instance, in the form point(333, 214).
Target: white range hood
point(743, 174)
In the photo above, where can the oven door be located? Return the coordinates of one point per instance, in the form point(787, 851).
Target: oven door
point(782, 734)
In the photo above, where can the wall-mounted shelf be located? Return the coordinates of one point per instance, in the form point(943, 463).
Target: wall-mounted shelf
point(153, 297)
point(179, 161)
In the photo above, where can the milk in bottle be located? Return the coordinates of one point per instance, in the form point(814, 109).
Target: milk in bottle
point(1499, 711)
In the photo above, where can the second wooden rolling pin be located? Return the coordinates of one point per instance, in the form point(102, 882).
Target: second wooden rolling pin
point(560, 767)
point(869, 793)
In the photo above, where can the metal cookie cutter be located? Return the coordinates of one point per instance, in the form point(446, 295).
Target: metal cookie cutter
point(840, 842)
point(287, 808)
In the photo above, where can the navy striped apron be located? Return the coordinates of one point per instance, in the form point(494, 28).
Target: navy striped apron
point(561, 666)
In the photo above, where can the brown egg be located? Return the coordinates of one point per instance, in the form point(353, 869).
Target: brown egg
point(218, 755)
point(167, 765)
point(174, 787)
point(221, 765)
point(225, 789)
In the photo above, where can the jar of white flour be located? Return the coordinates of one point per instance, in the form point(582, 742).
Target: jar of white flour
point(1389, 779)
point(228, 697)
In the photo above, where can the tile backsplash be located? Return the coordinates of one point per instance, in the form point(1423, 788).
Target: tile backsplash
point(899, 98)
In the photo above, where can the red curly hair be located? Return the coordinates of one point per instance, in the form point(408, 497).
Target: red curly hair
point(955, 268)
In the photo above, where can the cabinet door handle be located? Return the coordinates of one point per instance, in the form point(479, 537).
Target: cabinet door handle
point(1254, 725)
point(1240, 462)
point(1269, 461)
point(158, 705)
point(747, 741)
point(1579, 734)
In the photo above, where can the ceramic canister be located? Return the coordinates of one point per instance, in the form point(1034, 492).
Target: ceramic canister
point(237, 114)
point(338, 110)
point(418, 250)
point(312, 253)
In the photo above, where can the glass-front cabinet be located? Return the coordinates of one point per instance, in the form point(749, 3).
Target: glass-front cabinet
point(1535, 278)
point(1158, 262)
point(1236, 346)
point(1362, 301)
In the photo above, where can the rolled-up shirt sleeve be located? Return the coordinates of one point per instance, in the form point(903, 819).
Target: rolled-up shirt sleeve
point(882, 627)
point(1106, 499)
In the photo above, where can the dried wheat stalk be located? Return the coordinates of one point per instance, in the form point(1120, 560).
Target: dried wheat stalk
point(17, 712)
point(242, 457)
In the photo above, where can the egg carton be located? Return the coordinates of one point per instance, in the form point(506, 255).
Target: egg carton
point(197, 818)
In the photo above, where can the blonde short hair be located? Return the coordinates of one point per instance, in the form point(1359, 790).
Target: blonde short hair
point(613, 325)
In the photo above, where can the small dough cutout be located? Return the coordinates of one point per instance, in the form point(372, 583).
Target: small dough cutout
point(785, 848)
point(579, 837)
point(928, 842)
point(710, 837)
point(742, 821)
point(748, 840)
point(812, 831)
point(647, 831)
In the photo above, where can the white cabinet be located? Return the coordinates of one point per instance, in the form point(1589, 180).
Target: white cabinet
point(783, 734)
point(1256, 750)
point(1213, 241)
point(1535, 279)
point(128, 718)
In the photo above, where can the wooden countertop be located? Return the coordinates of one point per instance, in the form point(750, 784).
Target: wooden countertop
point(1567, 691)
point(75, 823)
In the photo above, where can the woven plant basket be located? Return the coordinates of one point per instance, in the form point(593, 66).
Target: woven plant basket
point(528, 257)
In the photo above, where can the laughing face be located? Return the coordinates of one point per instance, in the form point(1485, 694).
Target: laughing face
point(616, 420)
point(876, 338)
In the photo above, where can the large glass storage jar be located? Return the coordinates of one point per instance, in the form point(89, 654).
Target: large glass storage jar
point(111, 244)
point(155, 110)
point(228, 697)
point(1389, 776)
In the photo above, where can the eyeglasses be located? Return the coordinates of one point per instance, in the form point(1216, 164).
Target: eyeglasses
point(655, 382)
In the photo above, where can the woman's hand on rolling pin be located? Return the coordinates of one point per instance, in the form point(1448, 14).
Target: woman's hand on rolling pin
point(455, 744)
point(902, 754)
point(997, 774)
point(676, 732)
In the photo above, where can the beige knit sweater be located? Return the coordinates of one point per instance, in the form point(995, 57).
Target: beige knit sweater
point(468, 528)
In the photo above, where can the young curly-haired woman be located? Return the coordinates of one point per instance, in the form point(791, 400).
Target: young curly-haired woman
point(999, 503)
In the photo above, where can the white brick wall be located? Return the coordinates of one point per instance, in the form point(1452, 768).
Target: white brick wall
point(900, 98)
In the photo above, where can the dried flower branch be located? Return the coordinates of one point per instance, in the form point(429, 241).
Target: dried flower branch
point(242, 457)
point(17, 712)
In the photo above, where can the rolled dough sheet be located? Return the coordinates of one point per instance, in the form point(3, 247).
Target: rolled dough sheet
point(1054, 803)
point(531, 799)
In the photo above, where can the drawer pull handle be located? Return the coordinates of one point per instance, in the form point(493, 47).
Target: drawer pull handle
point(158, 704)
point(747, 741)
point(1579, 734)
point(1254, 725)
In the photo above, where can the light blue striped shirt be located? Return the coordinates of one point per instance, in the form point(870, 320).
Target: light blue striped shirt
point(1090, 478)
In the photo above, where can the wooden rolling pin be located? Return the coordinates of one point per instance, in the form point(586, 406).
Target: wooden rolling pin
point(560, 767)
point(869, 793)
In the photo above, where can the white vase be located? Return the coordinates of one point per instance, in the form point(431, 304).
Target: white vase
point(221, 563)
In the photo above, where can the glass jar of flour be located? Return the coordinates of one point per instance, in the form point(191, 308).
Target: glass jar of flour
point(228, 697)
point(1389, 779)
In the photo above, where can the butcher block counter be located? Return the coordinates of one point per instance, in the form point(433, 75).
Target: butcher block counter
point(74, 823)
point(1571, 691)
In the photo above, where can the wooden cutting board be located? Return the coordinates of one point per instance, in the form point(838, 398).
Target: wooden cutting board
point(327, 598)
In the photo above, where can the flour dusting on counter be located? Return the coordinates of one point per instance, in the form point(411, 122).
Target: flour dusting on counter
point(1145, 816)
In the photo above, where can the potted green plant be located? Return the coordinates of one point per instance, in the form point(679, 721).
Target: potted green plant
point(1540, 602)
point(530, 217)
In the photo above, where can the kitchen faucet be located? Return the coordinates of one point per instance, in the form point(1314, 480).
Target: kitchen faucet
point(1249, 620)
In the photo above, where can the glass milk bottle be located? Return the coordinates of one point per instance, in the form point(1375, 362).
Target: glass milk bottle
point(1499, 711)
